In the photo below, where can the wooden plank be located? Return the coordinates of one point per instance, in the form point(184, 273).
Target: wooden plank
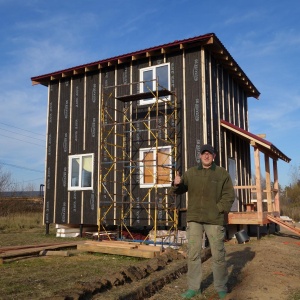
point(135, 252)
point(124, 244)
point(35, 250)
point(278, 221)
point(104, 245)
point(54, 253)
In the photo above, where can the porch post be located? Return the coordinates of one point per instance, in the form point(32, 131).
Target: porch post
point(276, 187)
point(268, 184)
point(258, 183)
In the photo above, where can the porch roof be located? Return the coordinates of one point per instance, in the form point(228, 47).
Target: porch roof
point(256, 141)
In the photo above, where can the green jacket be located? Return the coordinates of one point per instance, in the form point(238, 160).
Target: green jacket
point(210, 194)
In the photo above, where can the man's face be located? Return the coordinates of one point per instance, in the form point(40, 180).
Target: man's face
point(207, 159)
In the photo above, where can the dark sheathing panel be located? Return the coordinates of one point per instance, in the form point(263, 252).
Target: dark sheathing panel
point(119, 153)
point(193, 111)
point(231, 100)
point(176, 69)
point(242, 104)
point(91, 145)
point(215, 107)
point(236, 104)
point(50, 158)
point(222, 104)
point(108, 193)
point(62, 153)
point(139, 140)
point(123, 88)
point(77, 115)
point(226, 95)
point(76, 131)
point(143, 140)
point(208, 97)
point(245, 169)
point(157, 60)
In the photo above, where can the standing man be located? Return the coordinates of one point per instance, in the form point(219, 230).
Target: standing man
point(210, 196)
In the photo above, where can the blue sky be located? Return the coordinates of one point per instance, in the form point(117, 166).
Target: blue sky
point(39, 37)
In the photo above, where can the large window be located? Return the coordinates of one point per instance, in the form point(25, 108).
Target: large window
point(81, 172)
point(155, 167)
point(151, 76)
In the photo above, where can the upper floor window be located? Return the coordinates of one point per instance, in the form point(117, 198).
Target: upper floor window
point(155, 167)
point(152, 78)
point(81, 172)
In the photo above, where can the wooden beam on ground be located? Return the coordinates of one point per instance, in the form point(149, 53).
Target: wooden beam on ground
point(33, 250)
point(54, 253)
point(120, 248)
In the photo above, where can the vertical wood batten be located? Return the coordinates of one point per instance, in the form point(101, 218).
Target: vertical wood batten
point(56, 155)
point(98, 149)
point(46, 201)
point(183, 113)
point(204, 116)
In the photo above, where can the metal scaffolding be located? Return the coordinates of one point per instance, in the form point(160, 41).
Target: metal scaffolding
point(134, 188)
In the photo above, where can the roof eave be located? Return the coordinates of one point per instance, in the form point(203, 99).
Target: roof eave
point(210, 41)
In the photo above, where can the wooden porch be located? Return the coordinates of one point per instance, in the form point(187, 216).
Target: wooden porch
point(264, 201)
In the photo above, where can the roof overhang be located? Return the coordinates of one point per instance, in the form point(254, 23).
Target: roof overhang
point(256, 141)
point(209, 41)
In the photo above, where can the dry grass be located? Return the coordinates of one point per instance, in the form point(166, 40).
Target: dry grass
point(42, 277)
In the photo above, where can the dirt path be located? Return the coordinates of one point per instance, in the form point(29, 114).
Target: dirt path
point(261, 269)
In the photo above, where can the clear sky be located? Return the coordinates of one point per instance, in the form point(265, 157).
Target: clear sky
point(39, 37)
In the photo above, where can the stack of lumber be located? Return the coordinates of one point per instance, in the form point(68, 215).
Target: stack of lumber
point(120, 248)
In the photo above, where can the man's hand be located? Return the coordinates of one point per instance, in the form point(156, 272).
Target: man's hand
point(177, 178)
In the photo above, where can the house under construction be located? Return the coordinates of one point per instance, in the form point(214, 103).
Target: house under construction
point(118, 129)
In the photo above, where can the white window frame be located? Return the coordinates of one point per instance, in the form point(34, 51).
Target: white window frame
point(79, 185)
point(142, 151)
point(152, 82)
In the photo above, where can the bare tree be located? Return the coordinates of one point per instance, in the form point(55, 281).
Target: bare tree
point(5, 180)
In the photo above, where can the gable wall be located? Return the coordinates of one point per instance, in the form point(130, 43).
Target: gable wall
point(205, 93)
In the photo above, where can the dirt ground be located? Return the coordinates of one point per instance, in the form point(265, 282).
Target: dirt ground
point(260, 269)
point(265, 269)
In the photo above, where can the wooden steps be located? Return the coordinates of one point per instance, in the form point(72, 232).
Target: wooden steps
point(280, 222)
point(120, 248)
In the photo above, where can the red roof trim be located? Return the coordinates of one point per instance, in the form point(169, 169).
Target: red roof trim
point(172, 44)
point(253, 137)
point(210, 39)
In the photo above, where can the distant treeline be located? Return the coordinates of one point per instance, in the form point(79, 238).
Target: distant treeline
point(20, 205)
